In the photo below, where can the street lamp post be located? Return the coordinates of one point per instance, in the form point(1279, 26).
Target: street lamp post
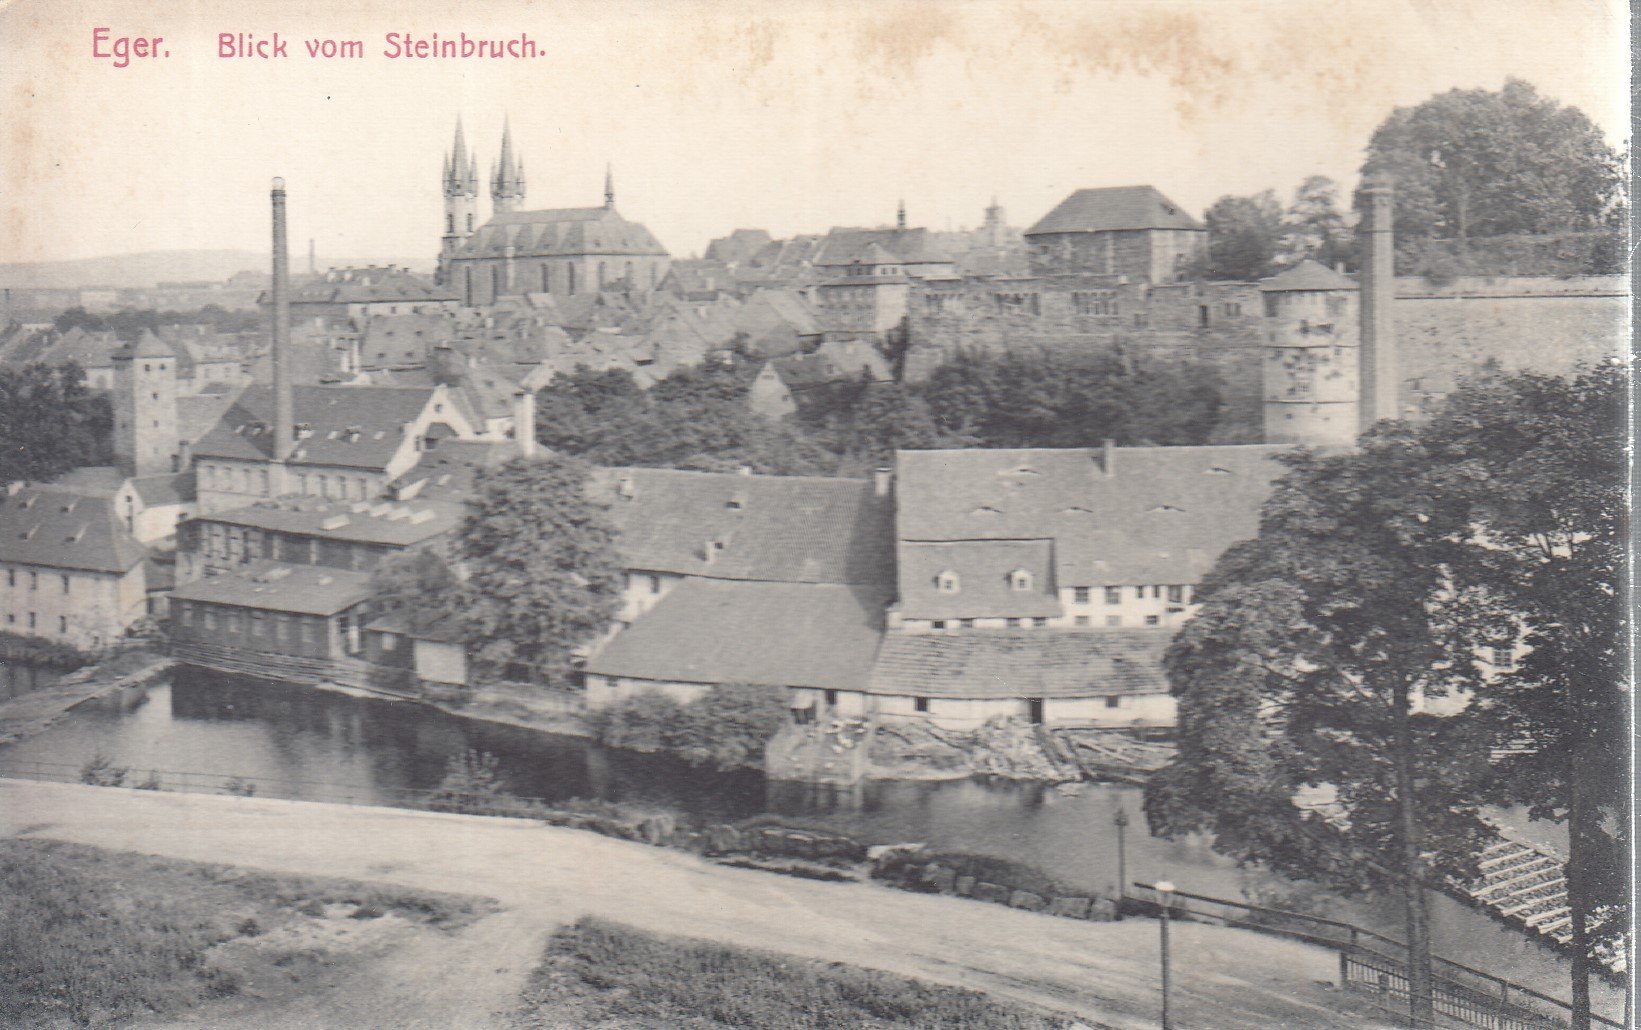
point(1165, 891)
point(1120, 821)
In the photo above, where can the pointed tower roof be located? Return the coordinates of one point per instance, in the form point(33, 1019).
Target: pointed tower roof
point(459, 169)
point(609, 186)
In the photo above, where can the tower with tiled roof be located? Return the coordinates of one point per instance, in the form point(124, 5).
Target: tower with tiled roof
point(145, 407)
point(507, 184)
point(461, 198)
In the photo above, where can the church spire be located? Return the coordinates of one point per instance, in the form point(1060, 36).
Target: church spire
point(507, 186)
point(900, 215)
point(609, 186)
point(460, 170)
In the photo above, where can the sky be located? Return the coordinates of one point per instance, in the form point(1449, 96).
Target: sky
point(718, 114)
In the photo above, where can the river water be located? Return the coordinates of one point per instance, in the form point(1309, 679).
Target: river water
point(299, 742)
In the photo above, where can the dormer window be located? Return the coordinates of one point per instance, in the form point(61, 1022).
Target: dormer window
point(1020, 579)
point(947, 582)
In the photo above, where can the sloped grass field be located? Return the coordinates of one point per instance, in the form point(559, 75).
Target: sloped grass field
point(92, 938)
point(601, 974)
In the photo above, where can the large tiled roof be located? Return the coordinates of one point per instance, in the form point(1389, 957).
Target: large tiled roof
point(1157, 515)
point(1023, 663)
point(367, 285)
point(165, 489)
point(448, 472)
point(198, 413)
point(1114, 207)
point(380, 522)
point(561, 232)
point(794, 529)
point(379, 412)
point(983, 568)
point(276, 587)
point(879, 246)
point(771, 634)
point(64, 530)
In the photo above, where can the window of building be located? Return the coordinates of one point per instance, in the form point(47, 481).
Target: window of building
point(1012, 623)
point(939, 624)
point(1139, 593)
point(1113, 595)
point(1504, 658)
point(966, 623)
point(1039, 622)
point(1113, 701)
point(258, 624)
point(34, 581)
point(831, 699)
point(1231, 308)
point(1153, 620)
point(655, 584)
point(1094, 302)
point(30, 620)
point(65, 583)
point(210, 619)
point(1176, 594)
point(1113, 620)
point(11, 577)
point(389, 641)
point(185, 614)
point(1081, 620)
point(1020, 579)
point(947, 582)
point(62, 624)
point(1080, 595)
point(920, 704)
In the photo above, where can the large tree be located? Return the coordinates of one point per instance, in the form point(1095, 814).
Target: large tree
point(1314, 228)
point(1304, 745)
point(543, 576)
point(1473, 162)
point(50, 422)
point(1243, 236)
point(1540, 461)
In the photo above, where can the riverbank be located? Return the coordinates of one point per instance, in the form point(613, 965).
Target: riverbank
point(27, 714)
point(545, 878)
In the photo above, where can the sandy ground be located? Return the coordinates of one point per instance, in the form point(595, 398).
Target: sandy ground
point(1105, 973)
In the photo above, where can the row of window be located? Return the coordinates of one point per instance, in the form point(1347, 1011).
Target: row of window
point(949, 582)
point(33, 622)
point(284, 627)
point(33, 580)
point(1038, 622)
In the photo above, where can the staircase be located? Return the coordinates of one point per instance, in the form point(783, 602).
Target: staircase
point(1526, 886)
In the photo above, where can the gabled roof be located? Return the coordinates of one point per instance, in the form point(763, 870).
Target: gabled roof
point(379, 412)
point(63, 530)
point(276, 587)
point(878, 246)
point(198, 413)
point(1114, 207)
point(768, 634)
point(1307, 275)
point(793, 529)
point(561, 232)
point(165, 489)
point(366, 285)
point(1156, 515)
point(1025, 663)
point(738, 246)
point(372, 522)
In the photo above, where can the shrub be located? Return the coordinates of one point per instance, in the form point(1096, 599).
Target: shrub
point(984, 868)
point(726, 728)
point(100, 771)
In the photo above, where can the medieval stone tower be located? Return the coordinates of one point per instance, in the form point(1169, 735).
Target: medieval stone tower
point(1312, 356)
point(461, 198)
point(507, 184)
point(145, 408)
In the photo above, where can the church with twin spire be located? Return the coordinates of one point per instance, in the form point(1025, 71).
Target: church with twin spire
point(560, 251)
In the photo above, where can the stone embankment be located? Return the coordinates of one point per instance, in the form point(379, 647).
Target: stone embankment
point(27, 714)
point(1011, 749)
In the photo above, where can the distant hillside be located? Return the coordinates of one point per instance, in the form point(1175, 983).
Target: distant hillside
point(149, 268)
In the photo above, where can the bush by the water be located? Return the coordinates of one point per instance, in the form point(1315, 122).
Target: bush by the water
point(598, 973)
point(726, 728)
point(984, 868)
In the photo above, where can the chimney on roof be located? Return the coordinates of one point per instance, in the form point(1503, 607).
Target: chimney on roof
point(883, 480)
point(524, 422)
point(1108, 458)
point(284, 406)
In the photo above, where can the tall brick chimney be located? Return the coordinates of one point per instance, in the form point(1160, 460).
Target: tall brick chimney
point(284, 424)
point(1376, 245)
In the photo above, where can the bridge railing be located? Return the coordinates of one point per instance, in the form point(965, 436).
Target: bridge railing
point(1376, 965)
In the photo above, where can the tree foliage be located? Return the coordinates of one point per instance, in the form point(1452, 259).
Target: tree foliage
point(543, 576)
point(1474, 162)
point(1314, 228)
point(50, 423)
point(1243, 236)
point(725, 728)
point(417, 582)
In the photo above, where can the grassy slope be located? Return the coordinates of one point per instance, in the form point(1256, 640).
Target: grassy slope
point(90, 937)
point(602, 974)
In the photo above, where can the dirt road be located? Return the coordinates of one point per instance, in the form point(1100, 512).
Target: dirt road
point(1105, 973)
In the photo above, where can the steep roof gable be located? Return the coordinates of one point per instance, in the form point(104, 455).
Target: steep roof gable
point(1114, 207)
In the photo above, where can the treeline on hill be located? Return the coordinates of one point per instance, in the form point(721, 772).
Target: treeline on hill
point(700, 418)
point(128, 325)
point(50, 422)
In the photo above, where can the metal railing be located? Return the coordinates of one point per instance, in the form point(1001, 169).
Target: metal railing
point(1376, 965)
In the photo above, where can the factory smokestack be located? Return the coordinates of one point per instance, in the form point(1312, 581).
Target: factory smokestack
point(1376, 245)
point(284, 427)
